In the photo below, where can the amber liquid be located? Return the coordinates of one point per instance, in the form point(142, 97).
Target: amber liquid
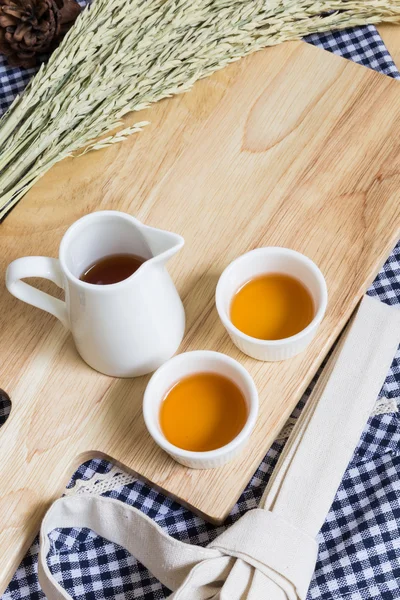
point(272, 307)
point(203, 412)
point(112, 269)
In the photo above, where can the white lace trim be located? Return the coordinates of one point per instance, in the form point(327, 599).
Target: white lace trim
point(385, 406)
point(101, 483)
point(286, 430)
point(116, 477)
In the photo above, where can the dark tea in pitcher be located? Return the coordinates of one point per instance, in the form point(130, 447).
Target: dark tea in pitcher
point(112, 269)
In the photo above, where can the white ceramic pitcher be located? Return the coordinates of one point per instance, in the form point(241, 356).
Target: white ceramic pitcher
point(124, 329)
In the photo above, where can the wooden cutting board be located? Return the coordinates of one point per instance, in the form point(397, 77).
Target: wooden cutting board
point(291, 146)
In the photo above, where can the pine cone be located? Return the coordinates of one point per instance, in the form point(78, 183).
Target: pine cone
point(32, 27)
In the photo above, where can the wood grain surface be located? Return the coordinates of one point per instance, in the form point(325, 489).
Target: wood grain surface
point(391, 37)
point(291, 146)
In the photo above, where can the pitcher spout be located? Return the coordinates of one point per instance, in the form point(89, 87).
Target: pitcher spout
point(112, 232)
point(163, 244)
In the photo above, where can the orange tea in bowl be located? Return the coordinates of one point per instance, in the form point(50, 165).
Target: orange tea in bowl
point(203, 412)
point(273, 306)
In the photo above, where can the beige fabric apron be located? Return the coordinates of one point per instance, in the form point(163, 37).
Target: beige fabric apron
point(270, 553)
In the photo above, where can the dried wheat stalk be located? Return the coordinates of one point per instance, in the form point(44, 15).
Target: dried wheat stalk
point(123, 55)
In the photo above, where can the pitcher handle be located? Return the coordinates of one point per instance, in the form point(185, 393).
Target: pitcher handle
point(37, 266)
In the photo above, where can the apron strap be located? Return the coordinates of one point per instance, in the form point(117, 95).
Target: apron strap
point(168, 559)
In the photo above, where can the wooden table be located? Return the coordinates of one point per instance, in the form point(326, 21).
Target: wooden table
point(391, 36)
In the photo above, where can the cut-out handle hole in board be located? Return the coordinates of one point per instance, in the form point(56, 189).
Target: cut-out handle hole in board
point(5, 407)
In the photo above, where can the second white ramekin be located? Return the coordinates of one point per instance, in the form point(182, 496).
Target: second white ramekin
point(257, 262)
point(181, 366)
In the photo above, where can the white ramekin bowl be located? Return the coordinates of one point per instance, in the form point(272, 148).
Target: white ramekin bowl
point(271, 260)
point(185, 364)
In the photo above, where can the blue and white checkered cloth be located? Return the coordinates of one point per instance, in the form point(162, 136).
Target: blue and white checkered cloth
point(359, 544)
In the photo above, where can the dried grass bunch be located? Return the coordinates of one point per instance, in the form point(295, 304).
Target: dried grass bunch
point(123, 55)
